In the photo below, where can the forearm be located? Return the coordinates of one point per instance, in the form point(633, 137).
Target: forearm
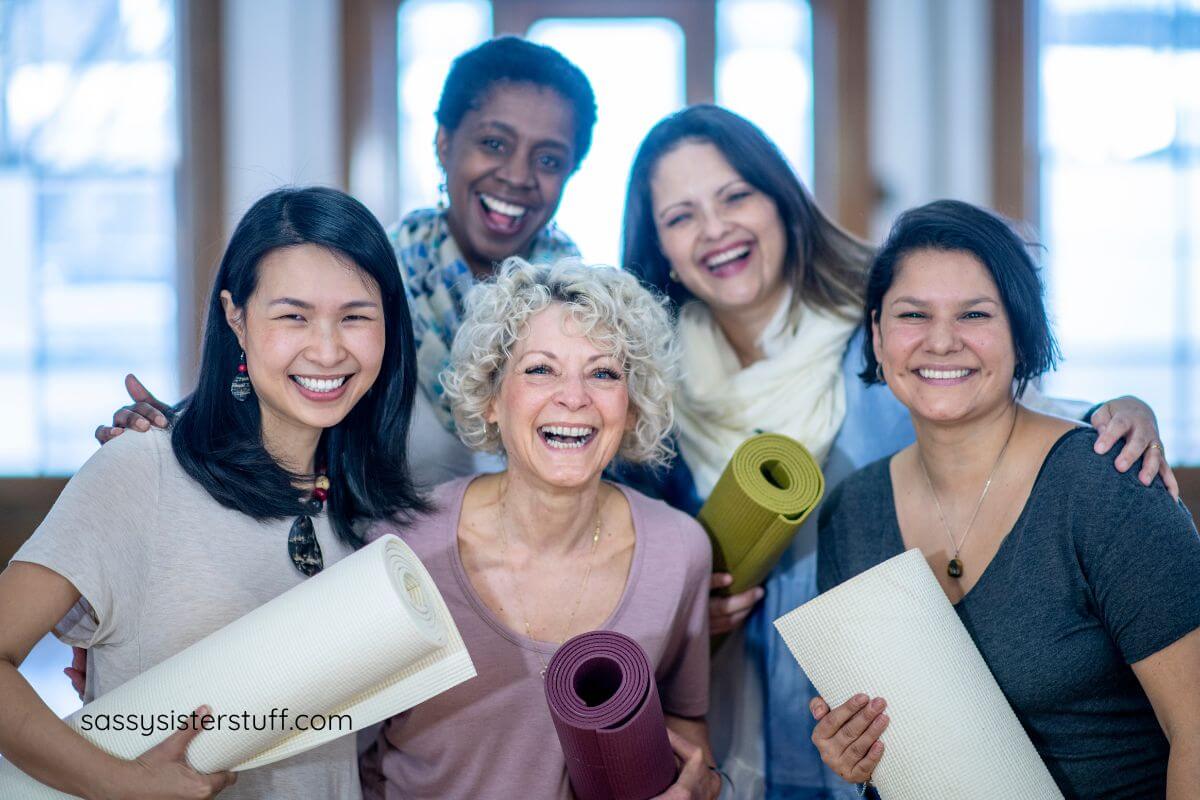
point(45, 747)
point(1183, 770)
point(695, 731)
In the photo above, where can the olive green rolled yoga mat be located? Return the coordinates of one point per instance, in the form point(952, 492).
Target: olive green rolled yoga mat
point(767, 490)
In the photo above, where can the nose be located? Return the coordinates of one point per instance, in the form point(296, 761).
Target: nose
point(714, 224)
point(325, 348)
point(572, 393)
point(943, 338)
point(516, 171)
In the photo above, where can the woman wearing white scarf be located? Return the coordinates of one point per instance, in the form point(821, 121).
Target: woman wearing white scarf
point(770, 292)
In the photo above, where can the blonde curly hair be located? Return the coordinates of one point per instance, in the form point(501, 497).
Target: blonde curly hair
point(611, 308)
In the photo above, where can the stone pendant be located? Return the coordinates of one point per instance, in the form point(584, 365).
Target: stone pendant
point(954, 568)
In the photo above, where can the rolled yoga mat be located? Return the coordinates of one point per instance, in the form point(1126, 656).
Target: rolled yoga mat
point(891, 632)
point(604, 703)
point(767, 490)
point(378, 639)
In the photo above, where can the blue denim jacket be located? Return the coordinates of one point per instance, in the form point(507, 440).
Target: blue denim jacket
point(876, 425)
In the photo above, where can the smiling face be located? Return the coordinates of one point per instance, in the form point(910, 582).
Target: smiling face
point(506, 164)
point(563, 403)
point(943, 337)
point(313, 332)
point(721, 235)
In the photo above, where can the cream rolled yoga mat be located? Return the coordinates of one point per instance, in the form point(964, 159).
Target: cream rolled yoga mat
point(378, 639)
point(767, 490)
point(891, 632)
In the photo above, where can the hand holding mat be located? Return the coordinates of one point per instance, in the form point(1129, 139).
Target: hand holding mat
point(379, 640)
point(604, 703)
point(765, 493)
point(890, 632)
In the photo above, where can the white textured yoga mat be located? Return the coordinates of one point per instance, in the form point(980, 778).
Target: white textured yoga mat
point(891, 632)
point(378, 641)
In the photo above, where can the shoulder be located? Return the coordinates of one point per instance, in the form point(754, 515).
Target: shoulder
point(680, 531)
point(134, 453)
point(859, 495)
point(445, 501)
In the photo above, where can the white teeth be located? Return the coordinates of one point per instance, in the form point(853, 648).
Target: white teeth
point(727, 256)
point(561, 430)
point(320, 384)
point(943, 374)
point(501, 207)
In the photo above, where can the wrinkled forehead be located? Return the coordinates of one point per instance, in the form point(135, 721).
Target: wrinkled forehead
point(566, 329)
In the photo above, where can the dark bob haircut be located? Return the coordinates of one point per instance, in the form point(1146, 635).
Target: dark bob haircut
point(825, 265)
point(509, 58)
point(957, 226)
point(218, 440)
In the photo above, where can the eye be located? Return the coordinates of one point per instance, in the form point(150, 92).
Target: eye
point(676, 219)
point(491, 143)
point(740, 194)
point(550, 163)
point(607, 374)
point(977, 315)
point(538, 369)
point(292, 317)
point(910, 315)
point(358, 318)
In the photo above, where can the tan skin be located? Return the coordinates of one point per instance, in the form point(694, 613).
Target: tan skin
point(548, 501)
point(702, 209)
point(311, 315)
point(943, 312)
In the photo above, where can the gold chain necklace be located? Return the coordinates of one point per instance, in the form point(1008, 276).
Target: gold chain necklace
point(955, 568)
point(513, 584)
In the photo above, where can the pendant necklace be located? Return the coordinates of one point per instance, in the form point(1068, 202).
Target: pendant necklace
point(517, 594)
point(955, 568)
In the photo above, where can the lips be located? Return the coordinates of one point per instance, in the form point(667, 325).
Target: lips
point(501, 216)
point(325, 388)
point(729, 260)
point(944, 375)
point(567, 437)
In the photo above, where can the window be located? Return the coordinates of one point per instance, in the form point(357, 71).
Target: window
point(88, 149)
point(1119, 145)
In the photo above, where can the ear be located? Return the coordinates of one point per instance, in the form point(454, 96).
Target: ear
point(235, 317)
point(876, 337)
point(441, 144)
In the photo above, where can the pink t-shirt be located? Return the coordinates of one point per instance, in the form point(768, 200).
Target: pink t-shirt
point(492, 736)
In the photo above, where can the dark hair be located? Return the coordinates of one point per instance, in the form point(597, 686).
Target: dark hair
point(825, 265)
point(218, 440)
point(954, 225)
point(509, 58)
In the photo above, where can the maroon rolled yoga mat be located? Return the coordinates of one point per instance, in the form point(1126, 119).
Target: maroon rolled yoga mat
point(605, 706)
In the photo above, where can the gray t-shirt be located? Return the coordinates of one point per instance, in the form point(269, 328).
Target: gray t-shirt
point(160, 565)
point(1098, 573)
point(492, 737)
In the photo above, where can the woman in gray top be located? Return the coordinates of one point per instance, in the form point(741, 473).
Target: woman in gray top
point(1076, 582)
point(305, 391)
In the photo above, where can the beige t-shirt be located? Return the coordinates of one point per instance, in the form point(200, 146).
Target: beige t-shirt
point(160, 565)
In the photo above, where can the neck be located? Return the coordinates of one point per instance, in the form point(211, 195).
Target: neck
point(545, 518)
point(960, 457)
point(744, 327)
point(293, 447)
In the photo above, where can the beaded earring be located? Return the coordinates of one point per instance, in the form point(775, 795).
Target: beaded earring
point(240, 388)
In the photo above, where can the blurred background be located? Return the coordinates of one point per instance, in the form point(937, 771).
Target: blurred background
point(134, 133)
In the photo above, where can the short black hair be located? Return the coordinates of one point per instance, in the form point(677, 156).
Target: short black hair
point(953, 225)
point(825, 266)
point(510, 58)
point(218, 440)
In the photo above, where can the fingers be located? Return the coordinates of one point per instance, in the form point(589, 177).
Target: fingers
point(865, 768)
point(720, 580)
point(139, 416)
point(1110, 430)
point(78, 658)
point(727, 613)
point(220, 781)
point(174, 747)
point(106, 434)
point(140, 394)
point(832, 722)
point(848, 736)
point(1136, 443)
point(78, 681)
point(1168, 476)
point(694, 773)
point(818, 708)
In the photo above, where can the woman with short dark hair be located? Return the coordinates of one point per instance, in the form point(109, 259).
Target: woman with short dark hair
point(306, 387)
point(1076, 582)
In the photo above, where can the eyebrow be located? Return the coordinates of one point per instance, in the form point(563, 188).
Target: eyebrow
point(509, 130)
point(916, 301)
point(720, 189)
point(548, 354)
point(291, 301)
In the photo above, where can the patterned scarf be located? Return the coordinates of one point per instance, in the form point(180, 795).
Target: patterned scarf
point(436, 282)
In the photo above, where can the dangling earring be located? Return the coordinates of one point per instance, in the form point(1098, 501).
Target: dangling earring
point(240, 388)
point(443, 196)
point(673, 275)
point(879, 372)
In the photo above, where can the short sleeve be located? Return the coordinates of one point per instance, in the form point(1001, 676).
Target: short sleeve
point(1140, 554)
point(684, 686)
point(97, 536)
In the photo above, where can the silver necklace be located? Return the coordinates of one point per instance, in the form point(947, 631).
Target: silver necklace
point(955, 568)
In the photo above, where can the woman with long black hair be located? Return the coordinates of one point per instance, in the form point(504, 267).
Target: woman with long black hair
point(296, 432)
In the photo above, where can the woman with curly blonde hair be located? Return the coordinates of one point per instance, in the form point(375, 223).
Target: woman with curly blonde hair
point(562, 369)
